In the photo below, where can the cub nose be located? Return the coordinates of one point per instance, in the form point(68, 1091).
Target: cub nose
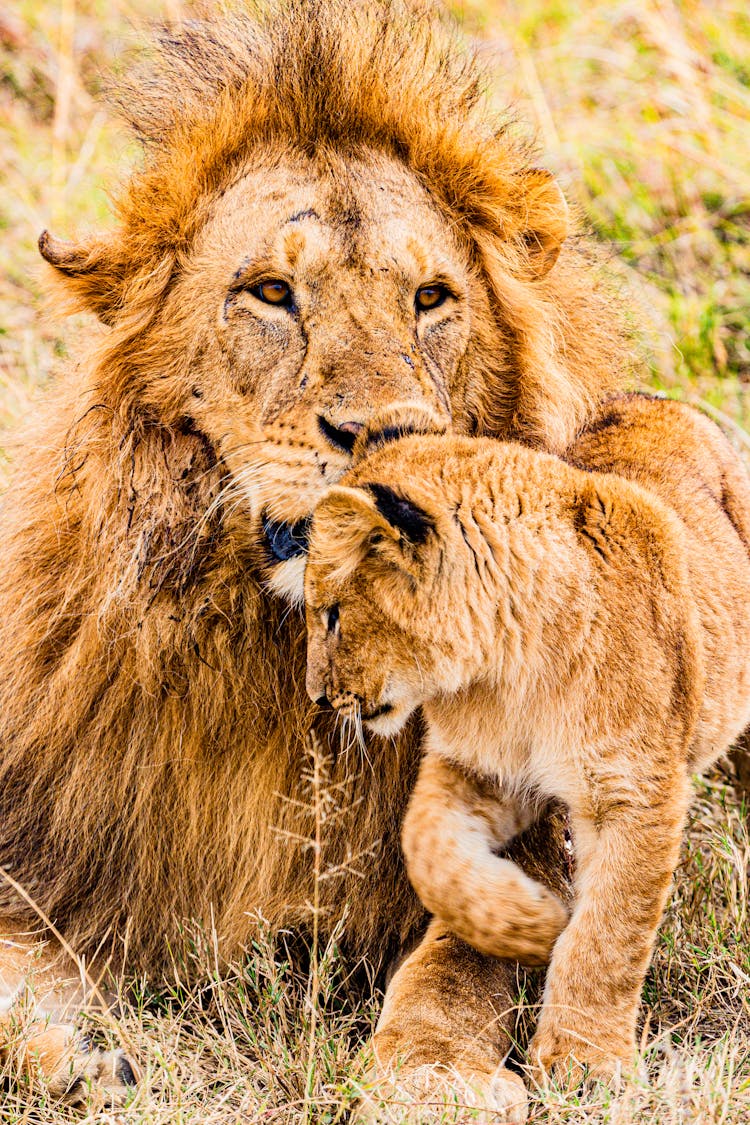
point(341, 435)
point(324, 703)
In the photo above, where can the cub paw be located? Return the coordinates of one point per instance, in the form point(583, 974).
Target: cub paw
point(522, 928)
point(72, 1071)
point(569, 1061)
point(428, 1094)
point(526, 933)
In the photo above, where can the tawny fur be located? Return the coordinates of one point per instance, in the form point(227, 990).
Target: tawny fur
point(151, 688)
point(571, 633)
point(151, 691)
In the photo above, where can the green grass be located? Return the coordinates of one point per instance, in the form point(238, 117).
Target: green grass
point(643, 108)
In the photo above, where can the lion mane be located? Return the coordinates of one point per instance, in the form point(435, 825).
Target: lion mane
point(153, 765)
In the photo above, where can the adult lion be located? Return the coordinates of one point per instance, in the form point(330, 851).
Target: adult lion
point(326, 221)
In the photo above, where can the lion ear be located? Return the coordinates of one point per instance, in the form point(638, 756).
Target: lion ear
point(89, 272)
point(398, 539)
point(342, 529)
point(547, 222)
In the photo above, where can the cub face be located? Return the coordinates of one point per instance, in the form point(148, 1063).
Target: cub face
point(384, 564)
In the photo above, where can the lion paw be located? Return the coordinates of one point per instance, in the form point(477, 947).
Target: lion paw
point(570, 1063)
point(427, 1094)
point(73, 1071)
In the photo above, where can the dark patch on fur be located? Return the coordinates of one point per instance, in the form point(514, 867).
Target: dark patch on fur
point(587, 520)
point(383, 709)
point(726, 503)
point(387, 435)
point(347, 212)
point(611, 415)
point(468, 544)
point(604, 422)
point(401, 513)
point(383, 433)
point(309, 213)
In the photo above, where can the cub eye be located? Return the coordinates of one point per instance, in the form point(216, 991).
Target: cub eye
point(331, 617)
point(273, 292)
point(429, 297)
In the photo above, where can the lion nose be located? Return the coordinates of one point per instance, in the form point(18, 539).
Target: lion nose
point(342, 435)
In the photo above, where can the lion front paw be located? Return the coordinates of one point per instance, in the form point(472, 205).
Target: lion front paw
point(429, 1094)
point(64, 1063)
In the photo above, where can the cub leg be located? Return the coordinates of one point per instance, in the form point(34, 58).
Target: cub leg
point(442, 1037)
point(452, 829)
point(625, 863)
point(37, 995)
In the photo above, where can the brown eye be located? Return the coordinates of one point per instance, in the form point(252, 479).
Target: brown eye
point(273, 292)
point(430, 296)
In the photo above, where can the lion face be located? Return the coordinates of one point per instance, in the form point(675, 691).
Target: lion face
point(323, 296)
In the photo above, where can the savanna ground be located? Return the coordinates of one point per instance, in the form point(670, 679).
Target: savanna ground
point(643, 109)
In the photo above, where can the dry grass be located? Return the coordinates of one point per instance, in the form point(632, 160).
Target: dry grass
point(643, 107)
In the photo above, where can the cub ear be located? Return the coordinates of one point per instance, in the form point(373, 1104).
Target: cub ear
point(402, 514)
point(89, 272)
point(350, 523)
point(342, 528)
point(547, 221)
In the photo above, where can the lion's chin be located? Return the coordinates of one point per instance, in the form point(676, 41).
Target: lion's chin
point(287, 580)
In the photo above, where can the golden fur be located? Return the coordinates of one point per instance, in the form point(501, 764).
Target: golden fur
point(151, 688)
point(578, 634)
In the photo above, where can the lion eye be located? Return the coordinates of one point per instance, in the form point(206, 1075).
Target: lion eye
point(430, 296)
point(273, 292)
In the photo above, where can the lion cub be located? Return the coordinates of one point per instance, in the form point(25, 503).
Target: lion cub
point(574, 629)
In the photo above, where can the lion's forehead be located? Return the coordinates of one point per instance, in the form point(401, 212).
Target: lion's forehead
point(369, 214)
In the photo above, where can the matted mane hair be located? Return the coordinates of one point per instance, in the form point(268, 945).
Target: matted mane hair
point(318, 76)
point(334, 80)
